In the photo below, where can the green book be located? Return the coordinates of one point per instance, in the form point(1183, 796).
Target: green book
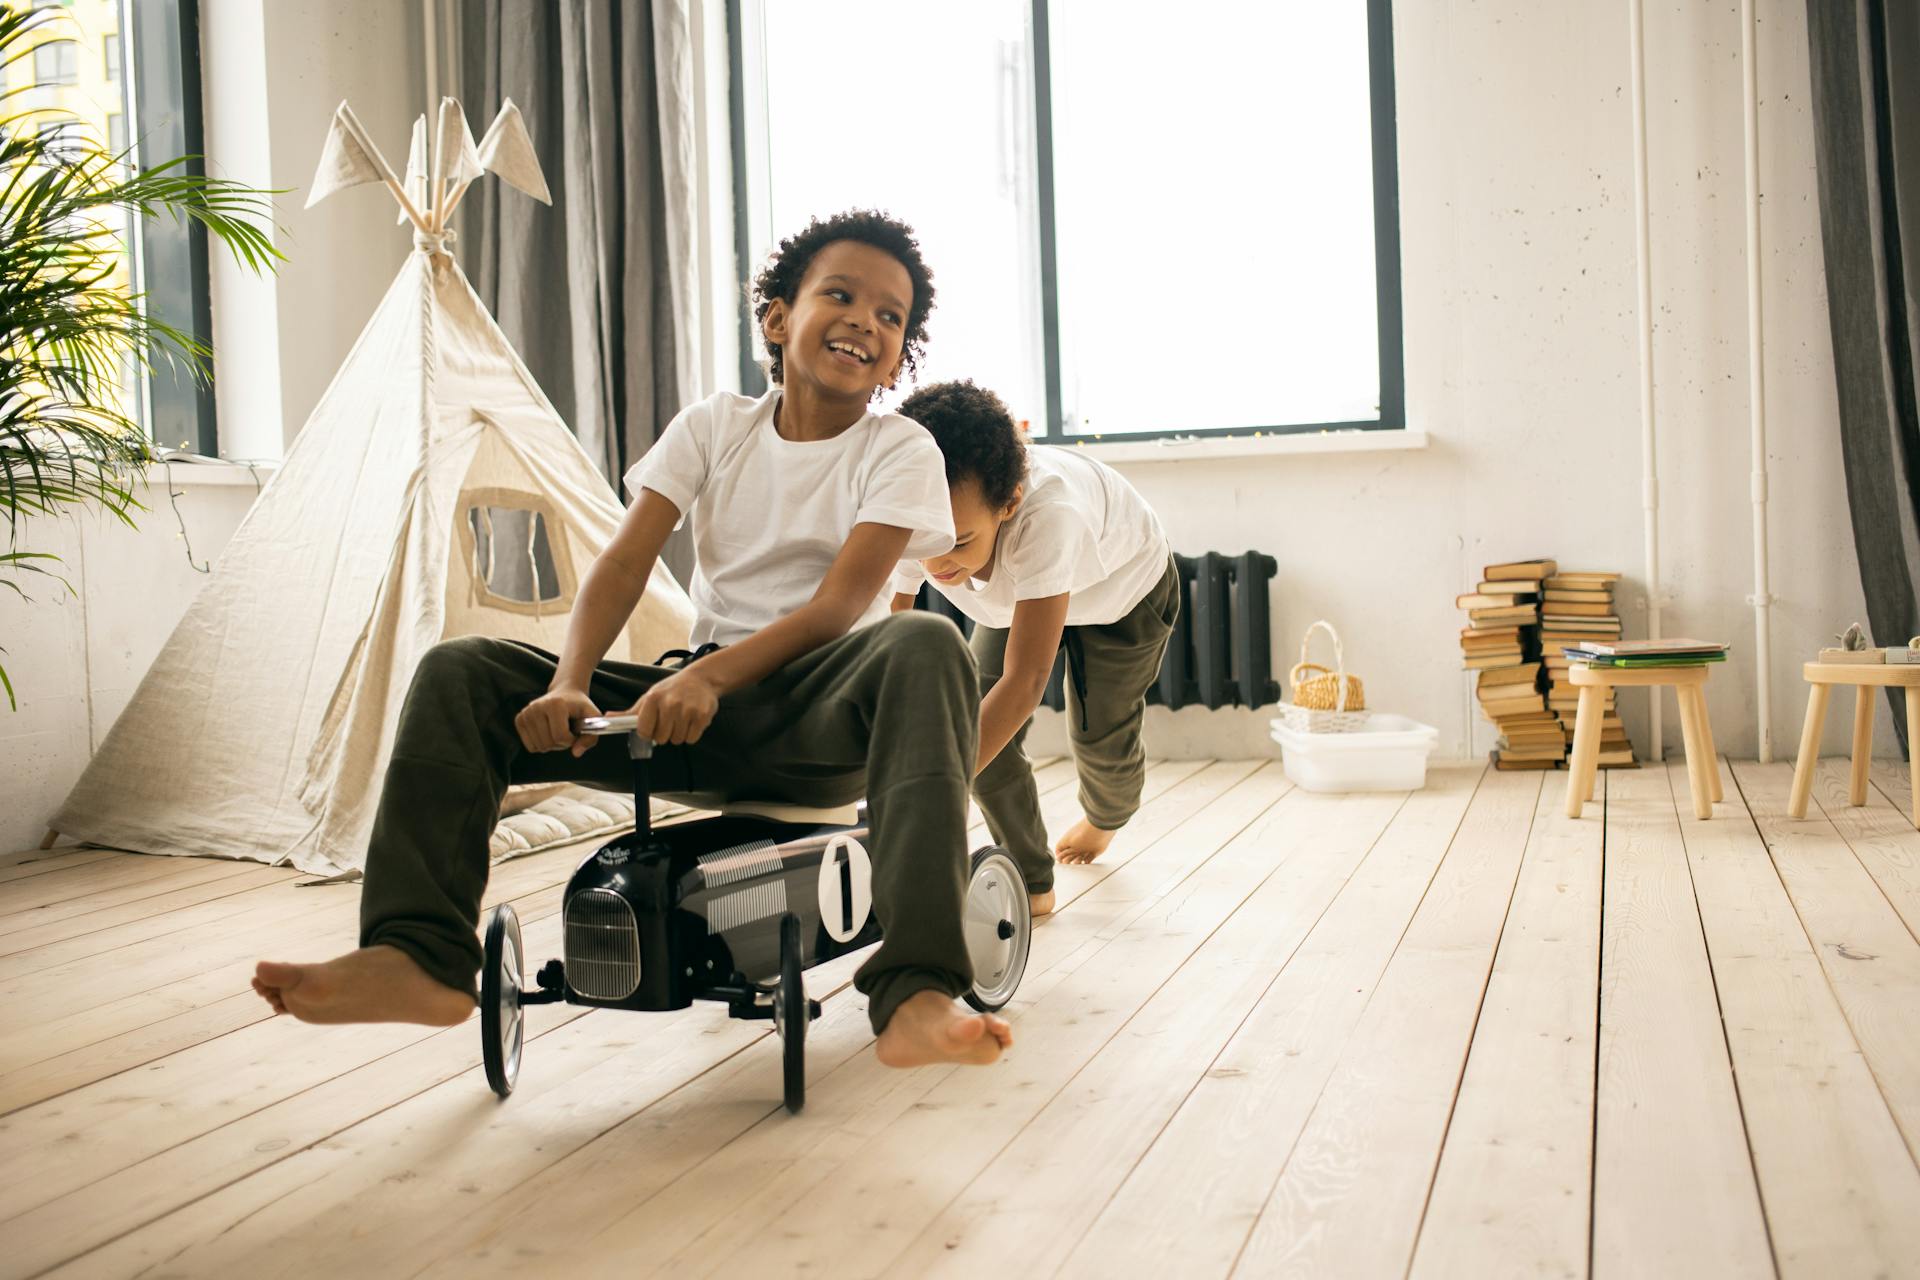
point(1668, 660)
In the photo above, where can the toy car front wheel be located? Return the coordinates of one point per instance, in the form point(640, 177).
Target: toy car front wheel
point(998, 927)
point(501, 977)
point(790, 1014)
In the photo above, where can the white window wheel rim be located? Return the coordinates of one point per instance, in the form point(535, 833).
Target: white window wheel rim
point(995, 893)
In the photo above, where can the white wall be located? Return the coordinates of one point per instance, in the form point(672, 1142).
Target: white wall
point(273, 74)
point(75, 652)
point(345, 252)
point(1517, 230)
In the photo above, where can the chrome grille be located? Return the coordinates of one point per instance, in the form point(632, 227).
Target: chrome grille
point(741, 862)
point(603, 945)
point(744, 906)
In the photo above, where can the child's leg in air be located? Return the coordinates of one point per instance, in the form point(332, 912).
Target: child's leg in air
point(1008, 795)
point(454, 754)
point(898, 702)
point(1122, 660)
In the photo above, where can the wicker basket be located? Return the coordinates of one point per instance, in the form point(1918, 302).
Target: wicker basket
point(1324, 701)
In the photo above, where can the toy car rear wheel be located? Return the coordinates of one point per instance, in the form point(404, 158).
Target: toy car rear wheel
point(998, 927)
point(790, 1014)
point(502, 977)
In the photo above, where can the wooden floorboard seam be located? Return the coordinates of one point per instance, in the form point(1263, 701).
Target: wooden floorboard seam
point(1426, 1199)
point(1852, 1006)
point(1377, 1123)
point(1739, 1094)
point(1839, 1191)
point(1479, 1010)
point(1248, 1014)
point(1841, 820)
point(1171, 977)
point(1599, 987)
point(1119, 1028)
point(1222, 840)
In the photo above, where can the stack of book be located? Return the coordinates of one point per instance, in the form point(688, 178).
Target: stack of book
point(1502, 642)
point(1577, 609)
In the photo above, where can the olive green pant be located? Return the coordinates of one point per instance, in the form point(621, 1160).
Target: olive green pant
point(1106, 702)
point(888, 712)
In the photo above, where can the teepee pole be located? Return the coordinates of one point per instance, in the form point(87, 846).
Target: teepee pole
point(406, 205)
point(371, 150)
point(439, 193)
point(441, 163)
point(453, 202)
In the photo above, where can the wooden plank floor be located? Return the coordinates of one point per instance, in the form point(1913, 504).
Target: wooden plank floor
point(1452, 1033)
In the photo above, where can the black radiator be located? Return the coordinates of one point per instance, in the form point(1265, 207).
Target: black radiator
point(1221, 652)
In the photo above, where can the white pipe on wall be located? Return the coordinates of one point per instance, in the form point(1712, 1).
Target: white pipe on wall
point(430, 53)
point(1650, 477)
point(1761, 599)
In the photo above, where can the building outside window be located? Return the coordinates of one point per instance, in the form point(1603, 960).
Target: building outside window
point(74, 101)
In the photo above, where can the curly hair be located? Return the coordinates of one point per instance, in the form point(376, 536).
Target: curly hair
point(976, 435)
point(784, 271)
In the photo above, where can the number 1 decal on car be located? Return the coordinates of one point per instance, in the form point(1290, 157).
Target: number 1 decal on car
point(846, 888)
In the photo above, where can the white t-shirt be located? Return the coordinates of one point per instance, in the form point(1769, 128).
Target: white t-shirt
point(770, 515)
point(1081, 529)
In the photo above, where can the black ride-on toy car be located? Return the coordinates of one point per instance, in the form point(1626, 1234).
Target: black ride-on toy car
point(732, 908)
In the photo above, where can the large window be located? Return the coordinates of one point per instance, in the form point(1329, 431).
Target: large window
point(1142, 220)
point(142, 91)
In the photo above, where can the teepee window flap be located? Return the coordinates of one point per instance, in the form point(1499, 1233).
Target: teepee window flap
point(516, 551)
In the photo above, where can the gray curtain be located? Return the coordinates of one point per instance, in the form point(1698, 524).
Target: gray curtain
point(592, 291)
point(1866, 109)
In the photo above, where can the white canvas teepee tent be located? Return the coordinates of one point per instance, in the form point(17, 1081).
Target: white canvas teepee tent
point(433, 493)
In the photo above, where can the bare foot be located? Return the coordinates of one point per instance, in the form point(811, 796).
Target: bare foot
point(1040, 904)
point(1083, 843)
point(373, 984)
point(928, 1028)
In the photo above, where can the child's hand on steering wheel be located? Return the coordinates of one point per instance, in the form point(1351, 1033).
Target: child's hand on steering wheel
point(548, 722)
point(678, 709)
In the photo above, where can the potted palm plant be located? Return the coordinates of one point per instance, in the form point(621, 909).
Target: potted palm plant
point(70, 327)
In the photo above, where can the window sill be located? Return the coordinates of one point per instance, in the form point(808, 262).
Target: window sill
point(1188, 448)
point(210, 473)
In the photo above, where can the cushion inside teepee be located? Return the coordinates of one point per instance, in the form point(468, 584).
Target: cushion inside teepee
point(567, 813)
point(574, 814)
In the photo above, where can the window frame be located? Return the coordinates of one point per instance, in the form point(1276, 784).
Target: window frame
point(61, 49)
point(745, 53)
point(160, 61)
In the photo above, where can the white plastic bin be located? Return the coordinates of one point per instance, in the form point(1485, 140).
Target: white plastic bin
point(1389, 754)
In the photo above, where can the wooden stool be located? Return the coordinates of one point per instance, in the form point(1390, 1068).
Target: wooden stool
point(1865, 677)
point(1689, 687)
